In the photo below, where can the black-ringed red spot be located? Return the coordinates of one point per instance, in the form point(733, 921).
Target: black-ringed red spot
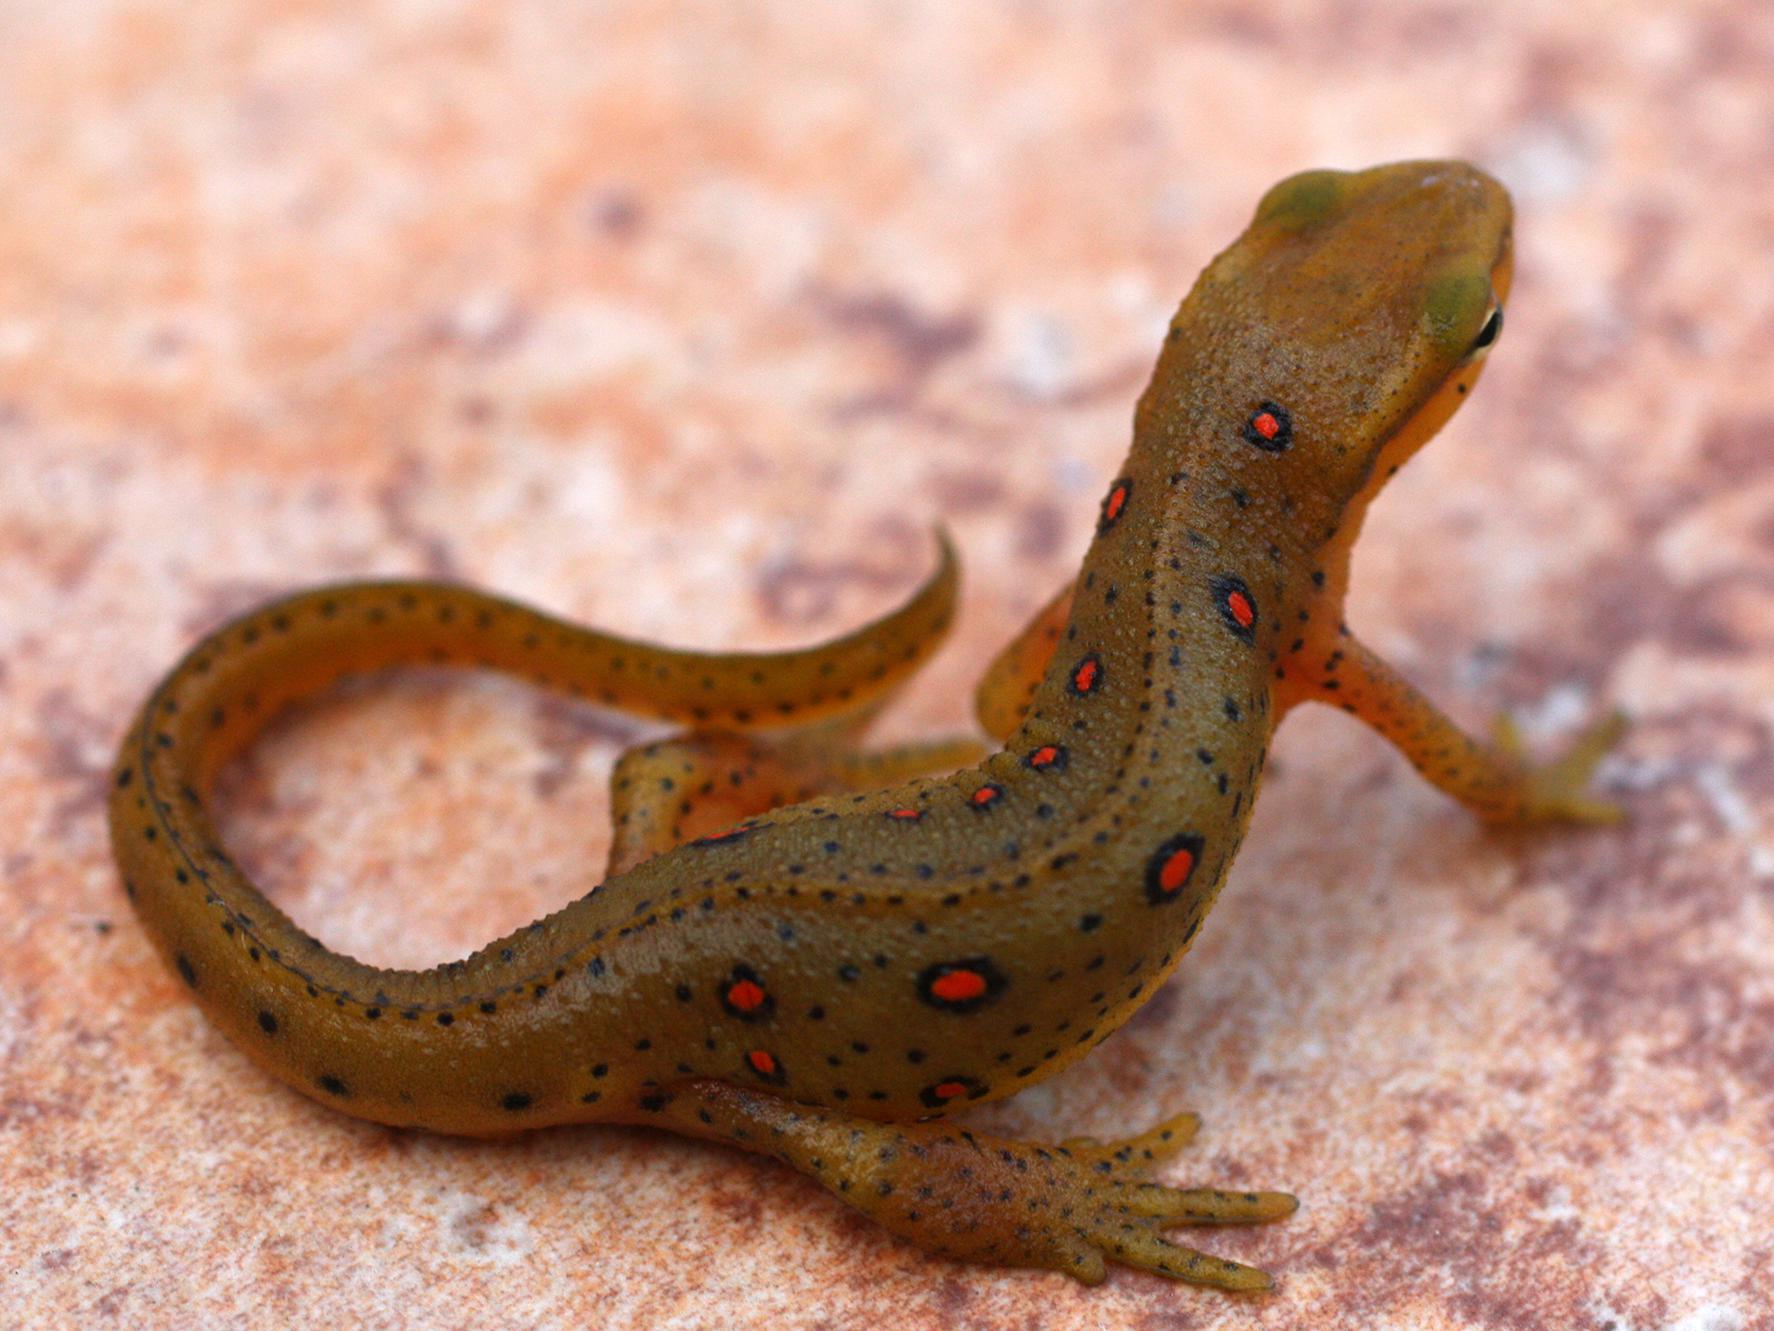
point(1171, 867)
point(1087, 676)
point(767, 1066)
point(986, 796)
point(1269, 428)
point(906, 815)
point(1047, 758)
point(951, 1089)
point(1115, 504)
point(961, 986)
point(744, 996)
point(1236, 606)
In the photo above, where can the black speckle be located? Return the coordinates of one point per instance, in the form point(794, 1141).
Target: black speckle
point(267, 1023)
point(515, 1101)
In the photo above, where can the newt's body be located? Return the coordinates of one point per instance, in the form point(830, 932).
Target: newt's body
point(810, 952)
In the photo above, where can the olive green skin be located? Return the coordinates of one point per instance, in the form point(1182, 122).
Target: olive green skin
point(1352, 302)
point(1321, 307)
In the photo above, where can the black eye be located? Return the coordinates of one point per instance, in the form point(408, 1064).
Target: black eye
point(1493, 325)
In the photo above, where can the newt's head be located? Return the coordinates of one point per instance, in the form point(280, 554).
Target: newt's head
point(1339, 331)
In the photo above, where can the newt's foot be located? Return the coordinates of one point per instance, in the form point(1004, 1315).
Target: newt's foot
point(1070, 1208)
point(1557, 791)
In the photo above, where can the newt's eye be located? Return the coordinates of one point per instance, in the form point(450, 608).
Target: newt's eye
point(1487, 333)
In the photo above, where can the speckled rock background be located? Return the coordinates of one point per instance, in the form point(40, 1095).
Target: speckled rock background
point(690, 321)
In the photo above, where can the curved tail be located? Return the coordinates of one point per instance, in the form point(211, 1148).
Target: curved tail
point(257, 974)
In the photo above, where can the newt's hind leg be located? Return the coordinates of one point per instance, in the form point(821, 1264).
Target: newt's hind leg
point(1069, 1208)
point(666, 793)
point(875, 769)
point(1009, 684)
point(1496, 780)
point(675, 790)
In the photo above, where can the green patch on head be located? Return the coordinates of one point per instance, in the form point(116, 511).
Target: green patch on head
point(1302, 199)
point(1455, 306)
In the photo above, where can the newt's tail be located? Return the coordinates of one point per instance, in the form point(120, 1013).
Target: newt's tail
point(247, 963)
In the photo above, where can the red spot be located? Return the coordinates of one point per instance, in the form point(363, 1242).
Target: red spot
point(959, 1084)
point(1113, 503)
point(959, 986)
point(1171, 867)
point(1045, 756)
point(905, 815)
point(1086, 674)
point(1241, 609)
point(746, 996)
point(1269, 428)
point(763, 1062)
point(963, 985)
point(1175, 870)
point(986, 795)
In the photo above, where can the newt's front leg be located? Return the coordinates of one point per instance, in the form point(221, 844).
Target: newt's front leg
point(1069, 1208)
point(1495, 779)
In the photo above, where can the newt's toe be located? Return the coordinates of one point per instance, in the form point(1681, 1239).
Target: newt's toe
point(1558, 791)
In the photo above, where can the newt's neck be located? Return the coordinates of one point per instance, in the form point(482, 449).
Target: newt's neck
point(1183, 607)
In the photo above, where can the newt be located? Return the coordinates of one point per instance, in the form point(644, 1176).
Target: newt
point(817, 952)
